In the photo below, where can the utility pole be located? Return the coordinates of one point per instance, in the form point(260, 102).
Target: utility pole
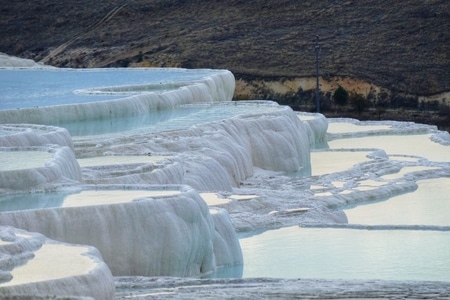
point(317, 48)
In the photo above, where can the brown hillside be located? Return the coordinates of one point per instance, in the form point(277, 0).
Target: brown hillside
point(399, 45)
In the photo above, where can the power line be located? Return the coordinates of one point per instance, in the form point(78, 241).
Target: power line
point(317, 48)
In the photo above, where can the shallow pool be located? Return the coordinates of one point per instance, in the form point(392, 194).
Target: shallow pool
point(21, 160)
point(417, 145)
point(406, 237)
point(46, 87)
point(71, 199)
point(332, 253)
point(326, 162)
point(428, 205)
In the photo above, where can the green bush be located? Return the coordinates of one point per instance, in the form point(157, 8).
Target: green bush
point(340, 96)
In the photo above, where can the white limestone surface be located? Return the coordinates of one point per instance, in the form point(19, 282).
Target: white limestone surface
point(168, 234)
point(251, 155)
point(217, 155)
point(227, 249)
point(368, 174)
point(27, 168)
point(35, 266)
point(217, 86)
point(270, 288)
point(316, 126)
point(442, 137)
point(16, 62)
point(368, 166)
point(131, 169)
point(27, 135)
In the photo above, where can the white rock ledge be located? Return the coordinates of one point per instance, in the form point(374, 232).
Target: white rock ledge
point(32, 265)
point(269, 288)
point(170, 235)
point(316, 125)
point(27, 135)
point(217, 86)
point(21, 171)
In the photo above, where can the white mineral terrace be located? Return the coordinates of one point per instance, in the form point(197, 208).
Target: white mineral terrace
point(159, 120)
point(400, 189)
point(406, 170)
point(164, 193)
point(39, 267)
point(172, 224)
point(25, 168)
point(27, 135)
point(67, 88)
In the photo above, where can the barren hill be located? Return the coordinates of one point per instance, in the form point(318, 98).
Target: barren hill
point(402, 46)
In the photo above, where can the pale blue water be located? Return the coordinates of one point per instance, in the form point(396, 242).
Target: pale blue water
point(428, 205)
point(28, 201)
point(295, 252)
point(56, 86)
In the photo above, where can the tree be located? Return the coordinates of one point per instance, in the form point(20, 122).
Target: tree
point(340, 96)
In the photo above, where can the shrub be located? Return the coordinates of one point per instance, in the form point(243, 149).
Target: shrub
point(340, 96)
point(444, 110)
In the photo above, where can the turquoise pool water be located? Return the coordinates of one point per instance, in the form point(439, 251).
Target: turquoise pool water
point(47, 87)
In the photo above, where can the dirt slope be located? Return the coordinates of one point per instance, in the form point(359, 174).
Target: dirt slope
point(399, 45)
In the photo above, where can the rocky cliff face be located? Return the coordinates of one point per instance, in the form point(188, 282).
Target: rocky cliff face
point(400, 46)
